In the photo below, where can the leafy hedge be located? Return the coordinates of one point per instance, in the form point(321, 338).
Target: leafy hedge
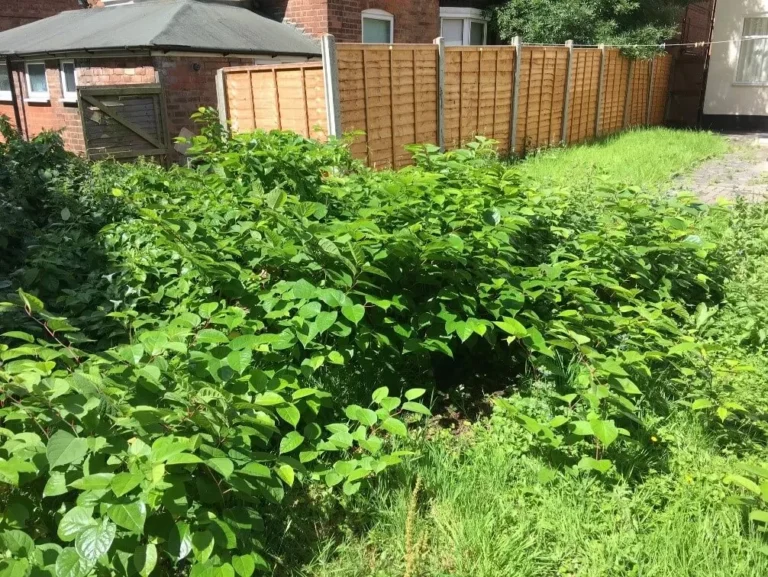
point(174, 385)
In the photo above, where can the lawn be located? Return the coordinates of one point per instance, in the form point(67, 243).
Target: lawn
point(490, 506)
point(277, 361)
point(648, 157)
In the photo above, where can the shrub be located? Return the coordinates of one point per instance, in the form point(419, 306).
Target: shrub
point(217, 301)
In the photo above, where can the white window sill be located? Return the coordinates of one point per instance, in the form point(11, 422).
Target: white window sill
point(69, 100)
point(5, 97)
point(38, 99)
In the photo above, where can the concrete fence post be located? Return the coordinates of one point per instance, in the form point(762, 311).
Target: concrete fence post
point(517, 42)
point(600, 90)
point(651, 75)
point(628, 98)
point(331, 81)
point(221, 98)
point(567, 96)
point(440, 92)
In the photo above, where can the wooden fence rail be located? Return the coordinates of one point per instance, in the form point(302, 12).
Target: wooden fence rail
point(524, 97)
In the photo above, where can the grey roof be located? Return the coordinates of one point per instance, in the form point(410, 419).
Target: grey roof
point(186, 25)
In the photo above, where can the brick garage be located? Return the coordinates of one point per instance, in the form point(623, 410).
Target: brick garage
point(234, 36)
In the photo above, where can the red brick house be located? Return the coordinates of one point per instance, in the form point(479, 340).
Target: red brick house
point(386, 21)
point(51, 47)
point(178, 44)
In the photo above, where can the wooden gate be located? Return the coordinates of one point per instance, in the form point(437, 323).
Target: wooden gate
point(124, 122)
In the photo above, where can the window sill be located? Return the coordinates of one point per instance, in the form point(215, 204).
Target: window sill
point(5, 98)
point(750, 84)
point(38, 100)
point(69, 100)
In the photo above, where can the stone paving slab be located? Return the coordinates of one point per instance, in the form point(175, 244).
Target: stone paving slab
point(741, 173)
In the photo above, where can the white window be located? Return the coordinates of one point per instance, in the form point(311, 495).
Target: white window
point(463, 26)
point(378, 27)
point(68, 81)
point(753, 52)
point(37, 83)
point(5, 83)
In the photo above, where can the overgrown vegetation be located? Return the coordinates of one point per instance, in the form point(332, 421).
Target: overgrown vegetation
point(214, 370)
point(643, 22)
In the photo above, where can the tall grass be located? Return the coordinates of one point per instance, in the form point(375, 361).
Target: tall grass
point(648, 158)
point(491, 508)
point(487, 515)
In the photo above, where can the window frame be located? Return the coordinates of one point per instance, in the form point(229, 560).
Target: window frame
point(376, 14)
point(468, 16)
point(6, 95)
point(67, 96)
point(736, 81)
point(37, 96)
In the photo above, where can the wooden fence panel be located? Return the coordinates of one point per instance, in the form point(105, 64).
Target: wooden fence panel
point(543, 74)
point(660, 89)
point(390, 96)
point(284, 97)
point(585, 84)
point(614, 92)
point(389, 93)
point(638, 107)
point(478, 94)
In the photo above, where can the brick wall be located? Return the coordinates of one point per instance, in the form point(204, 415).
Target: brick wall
point(19, 12)
point(416, 21)
point(308, 15)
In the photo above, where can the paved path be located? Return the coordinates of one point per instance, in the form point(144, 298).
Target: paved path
point(742, 172)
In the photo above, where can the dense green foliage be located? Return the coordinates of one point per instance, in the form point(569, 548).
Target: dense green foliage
point(589, 21)
point(190, 358)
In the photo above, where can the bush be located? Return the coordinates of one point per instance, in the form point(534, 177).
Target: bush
point(217, 302)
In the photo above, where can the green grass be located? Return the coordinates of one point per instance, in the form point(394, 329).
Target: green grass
point(648, 158)
point(485, 514)
point(484, 510)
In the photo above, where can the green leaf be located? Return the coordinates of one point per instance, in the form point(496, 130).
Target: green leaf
point(19, 335)
point(513, 327)
point(69, 563)
point(221, 465)
point(759, 516)
point(95, 482)
point(413, 394)
point(701, 404)
point(380, 394)
point(130, 516)
point(244, 565)
point(56, 484)
point(145, 559)
point(741, 481)
point(395, 427)
point(417, 408)
point(239, 361)
point(614, 368)
point(601, 466)
point(336, 358)
point(64, 449)
point(255, 469)
point(202, 545)
point(124, 483)
point(290, 442)
point(304, 290)
point(605, 431)
point(353, 313)
point(290, 414)
point(73, 522)
point(180, 541)
point(287, 474)
point(324, 321)
point(582, 428)
point(276, 199)
point(17, 542)
point(211, 336)
point(95, 541)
